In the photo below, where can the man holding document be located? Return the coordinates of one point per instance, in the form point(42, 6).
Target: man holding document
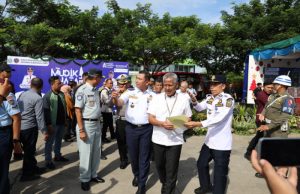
point(167, 137)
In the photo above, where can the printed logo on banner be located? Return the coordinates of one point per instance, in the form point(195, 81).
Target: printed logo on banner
point(108, 65)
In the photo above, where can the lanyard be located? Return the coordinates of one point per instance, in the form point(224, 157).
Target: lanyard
point(276, 100)
point(170, 112)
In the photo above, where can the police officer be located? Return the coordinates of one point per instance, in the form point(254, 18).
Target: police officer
point(88, 112)
point(218, 140)
point(10, 121)
point(279, 108)
point(138, 130)
point(121, 123)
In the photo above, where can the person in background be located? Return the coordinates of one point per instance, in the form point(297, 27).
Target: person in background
point(257, 89)
point(158, 86)
point(55, 111)
point(32, 120)
point(183, 89)
point(261, 100)
point(218, 140)
point(66, 89)
point(107, 112)
point(230, 90)
point(121, 123)
point(111, 75)
point(191, 89)
point(167, 139)
point(151, 84)
point(9, 127)
point(88, 113)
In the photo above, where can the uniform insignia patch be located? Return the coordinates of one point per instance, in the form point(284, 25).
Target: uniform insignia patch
point(79, 97)
point(229, 102)
point(210, 101)
point(219, 104)
point(288, 106)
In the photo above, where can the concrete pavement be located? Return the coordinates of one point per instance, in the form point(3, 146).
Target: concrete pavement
point(64, 179)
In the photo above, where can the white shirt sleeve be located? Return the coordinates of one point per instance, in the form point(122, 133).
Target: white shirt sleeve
point(200, 106)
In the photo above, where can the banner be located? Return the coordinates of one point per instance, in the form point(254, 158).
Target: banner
point(28, 68)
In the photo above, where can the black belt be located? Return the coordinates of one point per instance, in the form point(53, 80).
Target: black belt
point(137, 126)
point(86, 119)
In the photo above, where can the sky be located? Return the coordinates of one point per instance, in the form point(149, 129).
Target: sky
point(209, 11)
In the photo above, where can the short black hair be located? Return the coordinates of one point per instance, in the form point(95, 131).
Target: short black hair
point(85, 74)
point(37, 83)
point(267, 83)
point(52, 79)
point(258, 84)
point(158, 80)
point(146, 74)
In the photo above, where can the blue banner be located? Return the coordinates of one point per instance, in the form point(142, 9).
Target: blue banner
point(27, 68)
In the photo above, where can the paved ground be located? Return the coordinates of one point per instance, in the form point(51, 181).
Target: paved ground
point(64, 179)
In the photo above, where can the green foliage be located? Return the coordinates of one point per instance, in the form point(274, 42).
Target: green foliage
point(244, 119)
point(138, 35)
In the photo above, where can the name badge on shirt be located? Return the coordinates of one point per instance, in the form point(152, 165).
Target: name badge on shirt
point(91, 100)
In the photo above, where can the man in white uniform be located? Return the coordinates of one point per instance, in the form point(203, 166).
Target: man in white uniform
point(218, 141)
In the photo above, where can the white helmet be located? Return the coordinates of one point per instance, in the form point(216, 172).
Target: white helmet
point(283, 80)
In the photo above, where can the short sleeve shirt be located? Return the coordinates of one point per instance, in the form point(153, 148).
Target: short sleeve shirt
point(163, 107)
point(7, 109)
point(87, 98)
point(137, 103)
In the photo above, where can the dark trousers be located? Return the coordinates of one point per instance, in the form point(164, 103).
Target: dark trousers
point(167, 160)
point(28, 139)
point(254, 141)
point(70, 129)
point(121, 139)
point(108, 122)
point(138, 140)
point(6, 147)
point(221, 162)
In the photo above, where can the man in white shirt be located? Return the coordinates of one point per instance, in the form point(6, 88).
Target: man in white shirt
point(183, 89)
point(167, 139)
point(218, 141)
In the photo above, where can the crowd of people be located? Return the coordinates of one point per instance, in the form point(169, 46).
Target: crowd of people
point(143, 126)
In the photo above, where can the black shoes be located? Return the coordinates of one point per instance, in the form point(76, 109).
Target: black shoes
point(97, 180)
point(201, 190)
point(85, 186)
point(135, 181)
point(60, 159)
point(18, 156)
point(103, 157)
point(105, 140)
point(50, 165)
point(124, 164)
point(29, 178)
point(141, 190)
point(40, 170)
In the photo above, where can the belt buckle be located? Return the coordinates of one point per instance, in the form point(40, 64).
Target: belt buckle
point(139, 125)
